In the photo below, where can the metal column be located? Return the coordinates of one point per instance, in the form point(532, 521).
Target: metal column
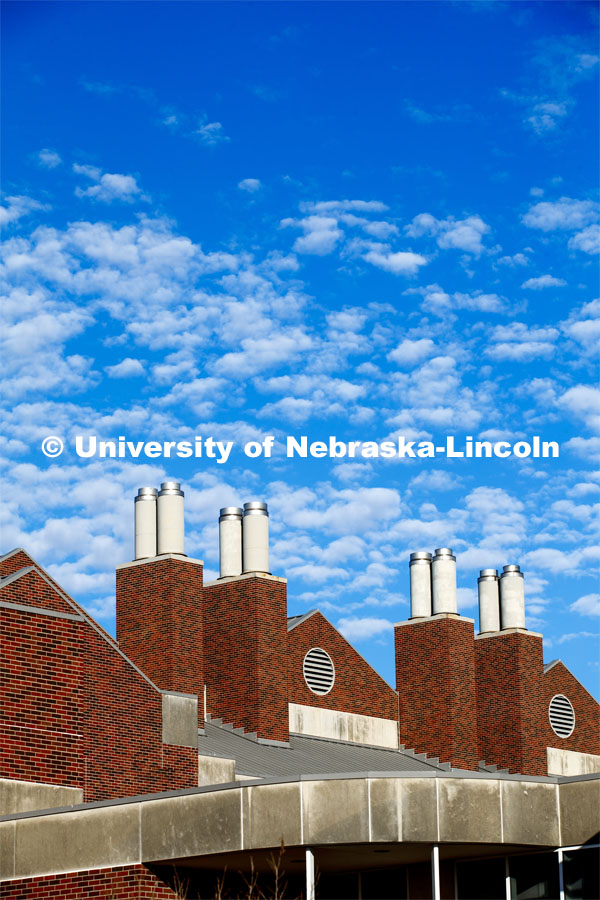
point(310, 874)
point(435, 872)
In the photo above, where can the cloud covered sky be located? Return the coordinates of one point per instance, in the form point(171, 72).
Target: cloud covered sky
point(362, 220)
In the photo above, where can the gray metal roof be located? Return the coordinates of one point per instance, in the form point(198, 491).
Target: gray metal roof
point(306, 755)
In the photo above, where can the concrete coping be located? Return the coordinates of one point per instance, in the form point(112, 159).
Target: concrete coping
point(229, 578)
point(176, 693)
point(366, 809)
point(418, 619)
point(453, 774)
point(151, 559)
point(19, 573)
point(493, 634)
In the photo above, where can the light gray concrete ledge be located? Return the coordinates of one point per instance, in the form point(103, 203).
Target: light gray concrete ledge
point(24, 796)
point(444, 808)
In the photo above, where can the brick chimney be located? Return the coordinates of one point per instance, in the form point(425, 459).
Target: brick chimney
point(509, 680)
point(159, 597)
point(435, 672)
point(245, 621)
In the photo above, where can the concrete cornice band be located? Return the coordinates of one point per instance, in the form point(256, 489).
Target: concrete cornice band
point(341, 810)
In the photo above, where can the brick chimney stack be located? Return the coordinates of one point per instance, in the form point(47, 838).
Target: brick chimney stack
point(508, 676)
point(159, 596)
point(435, 672)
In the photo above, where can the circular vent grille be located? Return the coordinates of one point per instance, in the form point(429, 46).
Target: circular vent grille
point(562, 716)
point(319, 672)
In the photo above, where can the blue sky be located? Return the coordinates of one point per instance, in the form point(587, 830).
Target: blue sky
point(364, 220)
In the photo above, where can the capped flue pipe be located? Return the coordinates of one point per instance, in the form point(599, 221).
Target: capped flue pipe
point(255, 537)
point(512, 598)
point(489, 600)
point(145, 523)
point(420, 584)
point(230, 541)
point(170, 528)
point(443, 581)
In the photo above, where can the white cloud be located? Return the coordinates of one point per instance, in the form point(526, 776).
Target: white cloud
point(466, 598)
point(576, 635)
point(321, 234)
point(588, 240)
point(16, 207)
point(566, 213)
point(589, 605)
point(583, 325)
point(211, 134)
point(344, 512)
point(521, 343)
point(250, 185)
point(546, 116)
point(48, 159)
point(400, 263)
point(357, 629)
point(434, 480)
point(102, 608)
point(111, 187)
point(127, 368)
point(338, 206)
point(543, 281)
point(582, 401)
point(518, 259)
point(409, 353)
point(437, 301)
point(463, 234)
point(584, 447)
point(260, 353)
point(92, 172)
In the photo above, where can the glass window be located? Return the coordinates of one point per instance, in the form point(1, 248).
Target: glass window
point(581, 873)
point(481, 879)
point(534, 876)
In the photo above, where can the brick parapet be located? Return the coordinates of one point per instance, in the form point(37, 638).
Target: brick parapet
point(159, 621)
point(357, 689)
point(586, 734)
point(245, 621)
point(435, 680)
point(510, 701)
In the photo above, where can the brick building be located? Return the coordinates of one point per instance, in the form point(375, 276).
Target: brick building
point(215, 727)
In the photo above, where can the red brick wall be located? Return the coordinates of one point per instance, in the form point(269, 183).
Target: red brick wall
point(435, 680)
point(17, 559)
point(47, 598)
point(32, 590)
point(586, 735)
point(245, 641)
point(41, 675)
point(128, 883)
point(357, 689)
point(75, 711)
point(159, 622)
point(122, 722)
point(510, 702)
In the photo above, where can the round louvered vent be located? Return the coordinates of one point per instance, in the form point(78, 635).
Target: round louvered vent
point(562, 716)
point(319, 672)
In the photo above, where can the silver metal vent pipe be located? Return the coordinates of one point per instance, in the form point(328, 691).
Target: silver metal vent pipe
point(420, 584)
point(512, 598)
point(230, 541)
point(145, 523)
point(170, 525)
point(255, 537)
point(489, 600)
point(443, 582)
